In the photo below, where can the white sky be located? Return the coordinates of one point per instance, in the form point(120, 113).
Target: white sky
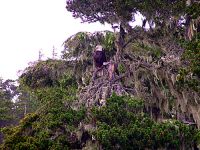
point(27, 26)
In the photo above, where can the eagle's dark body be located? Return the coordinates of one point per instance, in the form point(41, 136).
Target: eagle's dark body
point(99, 58)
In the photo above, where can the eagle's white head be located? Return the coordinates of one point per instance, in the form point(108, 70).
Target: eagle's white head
point(99, 48)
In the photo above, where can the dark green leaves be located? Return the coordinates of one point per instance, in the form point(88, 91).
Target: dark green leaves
point(122, 125)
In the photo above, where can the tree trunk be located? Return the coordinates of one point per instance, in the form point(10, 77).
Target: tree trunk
point(120, 44)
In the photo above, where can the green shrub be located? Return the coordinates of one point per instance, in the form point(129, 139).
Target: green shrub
point(122, 125)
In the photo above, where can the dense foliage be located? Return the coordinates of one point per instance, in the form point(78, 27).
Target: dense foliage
point(43, 74)
point(190, 74)
point(7, 92)
point(120, 125)
point(114, 11)
point(123, 125)
point(51, 131)
point(51, 126)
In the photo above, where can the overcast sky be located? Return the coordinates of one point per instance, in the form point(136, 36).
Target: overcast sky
point(27, 26)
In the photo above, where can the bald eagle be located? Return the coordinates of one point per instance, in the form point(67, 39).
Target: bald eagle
point(99, 56)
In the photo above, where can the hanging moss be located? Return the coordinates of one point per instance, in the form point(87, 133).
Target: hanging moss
point(122, 125)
